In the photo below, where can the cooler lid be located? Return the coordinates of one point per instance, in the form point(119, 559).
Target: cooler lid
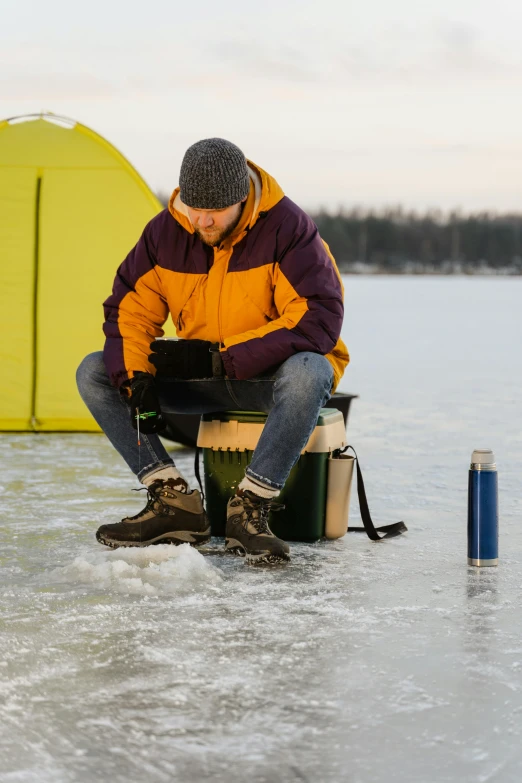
point(240, 430)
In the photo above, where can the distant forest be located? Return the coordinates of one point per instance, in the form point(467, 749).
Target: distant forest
point(394, 241)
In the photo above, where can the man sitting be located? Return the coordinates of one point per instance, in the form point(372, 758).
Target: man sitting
point(257, 302)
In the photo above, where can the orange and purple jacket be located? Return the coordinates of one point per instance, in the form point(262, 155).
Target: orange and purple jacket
point(272, 289)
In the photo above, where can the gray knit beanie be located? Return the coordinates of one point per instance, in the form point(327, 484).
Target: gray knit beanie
point(213, 175)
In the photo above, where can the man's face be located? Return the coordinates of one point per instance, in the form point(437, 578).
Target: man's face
point(213, 225)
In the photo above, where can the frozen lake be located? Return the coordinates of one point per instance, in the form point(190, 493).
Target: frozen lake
point(358, 662)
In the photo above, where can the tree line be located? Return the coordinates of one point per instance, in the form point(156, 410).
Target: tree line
point(397, 241)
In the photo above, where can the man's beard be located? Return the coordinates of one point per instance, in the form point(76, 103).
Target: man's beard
point(216, 238)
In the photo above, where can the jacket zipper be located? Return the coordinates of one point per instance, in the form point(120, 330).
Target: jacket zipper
point(180, 322)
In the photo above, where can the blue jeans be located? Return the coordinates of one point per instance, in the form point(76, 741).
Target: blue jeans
point(292, 397)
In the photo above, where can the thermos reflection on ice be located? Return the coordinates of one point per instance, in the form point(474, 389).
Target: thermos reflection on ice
point(483, 509)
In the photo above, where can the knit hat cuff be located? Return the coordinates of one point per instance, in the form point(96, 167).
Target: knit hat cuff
point(210, 197)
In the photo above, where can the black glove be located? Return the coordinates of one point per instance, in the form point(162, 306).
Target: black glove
point(186, 359)
point(144, 403)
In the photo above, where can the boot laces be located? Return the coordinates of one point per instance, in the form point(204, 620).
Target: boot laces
point(257, 512)
point(154, 503)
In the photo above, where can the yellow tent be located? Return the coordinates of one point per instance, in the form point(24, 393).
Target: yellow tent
point(71, 208)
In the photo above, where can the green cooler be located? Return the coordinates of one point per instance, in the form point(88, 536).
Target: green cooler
point(228, 440)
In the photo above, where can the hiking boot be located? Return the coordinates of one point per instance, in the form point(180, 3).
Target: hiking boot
point(170, 517)
point(247, 531)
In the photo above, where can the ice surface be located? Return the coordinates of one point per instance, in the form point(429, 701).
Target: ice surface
point(358, 662)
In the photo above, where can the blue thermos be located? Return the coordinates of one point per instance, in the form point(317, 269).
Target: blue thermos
point(483, 509)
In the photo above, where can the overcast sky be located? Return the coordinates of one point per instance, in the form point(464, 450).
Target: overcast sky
point(372, 103)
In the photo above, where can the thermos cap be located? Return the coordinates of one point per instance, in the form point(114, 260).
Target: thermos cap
point(483, 457)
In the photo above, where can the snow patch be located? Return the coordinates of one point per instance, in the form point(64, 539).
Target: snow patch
point(153, 570)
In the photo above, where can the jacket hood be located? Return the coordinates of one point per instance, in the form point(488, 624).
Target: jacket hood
point(264, 194)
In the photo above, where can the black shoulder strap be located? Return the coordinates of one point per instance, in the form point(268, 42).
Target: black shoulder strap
point(389, 530)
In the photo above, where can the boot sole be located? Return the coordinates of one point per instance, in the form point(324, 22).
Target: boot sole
point(234, 547)
point(176, 538)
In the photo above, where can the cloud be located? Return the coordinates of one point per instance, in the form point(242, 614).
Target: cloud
point(275, 62)
point(458, 49)
point(426, 56)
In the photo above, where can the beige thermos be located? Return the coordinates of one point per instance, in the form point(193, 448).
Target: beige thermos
point(340, 472)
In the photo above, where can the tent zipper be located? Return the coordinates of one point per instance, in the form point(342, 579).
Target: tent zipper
point(34, 421)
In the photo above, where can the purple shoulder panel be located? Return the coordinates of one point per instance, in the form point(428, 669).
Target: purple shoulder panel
point(286, 235)
point(303, 258)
